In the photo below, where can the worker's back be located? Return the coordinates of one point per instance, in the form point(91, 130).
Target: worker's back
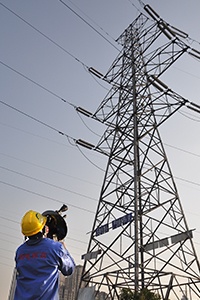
point(37, 263)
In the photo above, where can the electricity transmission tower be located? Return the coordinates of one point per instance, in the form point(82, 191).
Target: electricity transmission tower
point(140, 237)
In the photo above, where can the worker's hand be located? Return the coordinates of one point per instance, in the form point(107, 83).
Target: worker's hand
point(63, 243)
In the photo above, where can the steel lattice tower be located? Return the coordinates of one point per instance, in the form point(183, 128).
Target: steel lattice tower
point(140, 237)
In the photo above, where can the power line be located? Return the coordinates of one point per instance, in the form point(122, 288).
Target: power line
point(180, 149)
point(7, 265)
point(92, 20)
point(188, 116)
point(188, 181)
point(135, 5)
point(72, 10)
point(40, 85)
point(11, 220)
point(29, 78)
point(39, 166)
point(88, 197)
point(45, 124)
point(43, 196)
point(7, 219)
point(44, 35)
point(51, 40)
point(33, 81)
point(47, 183)
point(36, 83)
point(56, 44)
point(34, 135)
point(41, 122)
point(168, 145)
point(9, 235)
point(141, 3)
point(58, 131)
point(7, 250)
point(50, 127)
point(36, 120)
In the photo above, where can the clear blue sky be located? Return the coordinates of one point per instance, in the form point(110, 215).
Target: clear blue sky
point(45, 49)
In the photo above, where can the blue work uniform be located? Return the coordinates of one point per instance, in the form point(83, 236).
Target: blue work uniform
point(37, 265)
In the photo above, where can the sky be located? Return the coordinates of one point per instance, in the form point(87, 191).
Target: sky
point(46, 49)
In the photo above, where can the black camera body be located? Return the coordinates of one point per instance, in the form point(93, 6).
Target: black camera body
point(57, 227)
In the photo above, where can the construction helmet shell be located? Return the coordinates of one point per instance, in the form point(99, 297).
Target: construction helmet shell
point(32, 223)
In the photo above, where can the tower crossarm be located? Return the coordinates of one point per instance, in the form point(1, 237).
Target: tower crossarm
point(154, 41)
point(154, 106)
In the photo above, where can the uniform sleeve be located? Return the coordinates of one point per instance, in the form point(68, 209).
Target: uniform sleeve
point(67, 264)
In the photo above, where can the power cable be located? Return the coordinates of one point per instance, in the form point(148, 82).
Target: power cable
point(174, 147)
point(92, 20)
point(9, 235)
point(33, 81)
point(180, 149)
point(41, 122)
point(29, 78)
point(72, 10)
point(36, 120)
point(17, 230)
point(58, 132)
point(135, 5)
point(72, 239)
point(7, 250)
point(11, 220)
point(44, 88)
point(90, 160)
point(47, 183)
point(141, 3)
point(88, 197)
point(48, 126)
point(186, 115)
point(168, 145)
point(188, 181)
point(8, 219)
point(87, 125)
point(7, 265)
point(34, 135)
point(26, 77)
point(44, 35)
point(186, 72)
point(55, 43)
point(48, 169)
point(43, 196)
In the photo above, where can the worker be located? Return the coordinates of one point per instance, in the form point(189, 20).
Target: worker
point(39, 260)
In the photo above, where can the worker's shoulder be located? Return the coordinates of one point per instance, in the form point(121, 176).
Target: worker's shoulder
point(51, 243)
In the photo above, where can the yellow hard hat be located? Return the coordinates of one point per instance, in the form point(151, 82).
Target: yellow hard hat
point(32, 223)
